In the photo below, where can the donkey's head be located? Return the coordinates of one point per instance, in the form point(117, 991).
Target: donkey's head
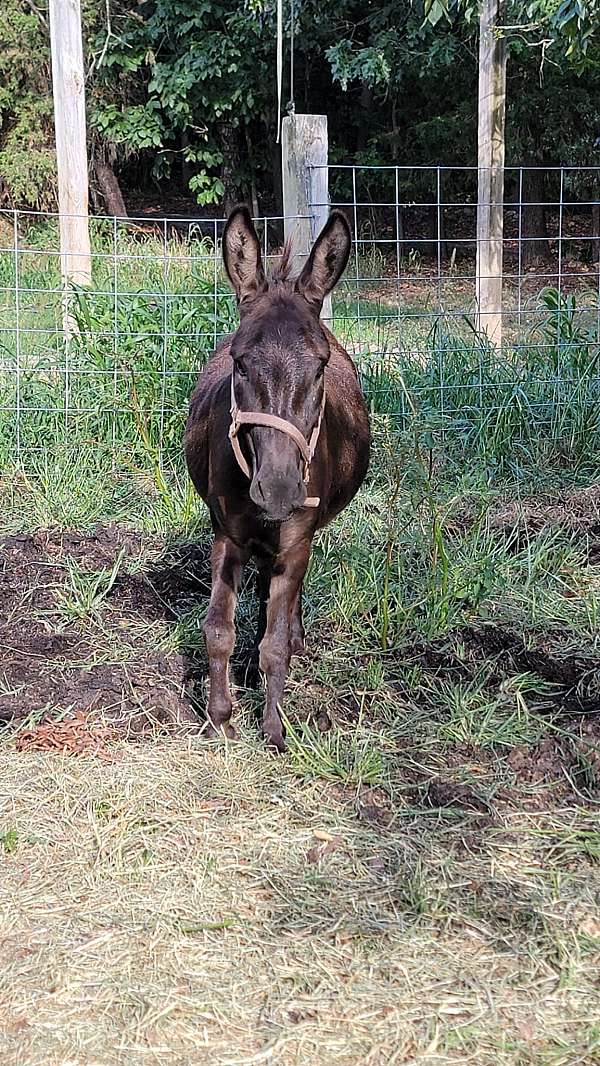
point(279, 353)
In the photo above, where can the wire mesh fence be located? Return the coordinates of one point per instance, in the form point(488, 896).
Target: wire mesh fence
point(410, 308)
point(112, 366)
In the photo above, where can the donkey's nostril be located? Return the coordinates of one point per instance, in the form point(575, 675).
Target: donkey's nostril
point(257, 493)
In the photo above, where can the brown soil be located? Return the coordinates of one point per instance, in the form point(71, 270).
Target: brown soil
point(566, 762)
point(103, 668)
point(73, 684)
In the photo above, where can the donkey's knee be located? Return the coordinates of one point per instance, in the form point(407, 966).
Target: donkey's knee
point(219, 636)
point(274, 655)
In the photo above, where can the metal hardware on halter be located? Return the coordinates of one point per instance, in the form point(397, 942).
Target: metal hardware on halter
point(258, 418)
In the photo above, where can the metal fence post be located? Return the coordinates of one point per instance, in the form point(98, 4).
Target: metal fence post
point(304, 170)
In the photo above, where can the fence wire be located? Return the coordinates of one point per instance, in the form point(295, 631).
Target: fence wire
point(408, 307)
point(112, 366)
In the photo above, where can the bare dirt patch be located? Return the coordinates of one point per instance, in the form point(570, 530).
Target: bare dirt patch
point(574, 679)
point(104, 665)
point(564, 764)
point(74, 684)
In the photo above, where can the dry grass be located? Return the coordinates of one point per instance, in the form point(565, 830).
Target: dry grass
point(185, 903)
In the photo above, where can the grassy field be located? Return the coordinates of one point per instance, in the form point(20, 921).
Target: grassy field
point(157, 308)
point(420, 883)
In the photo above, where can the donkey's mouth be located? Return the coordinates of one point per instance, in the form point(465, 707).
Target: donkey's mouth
point(269, 520)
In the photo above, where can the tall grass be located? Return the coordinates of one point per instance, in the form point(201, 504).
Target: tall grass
point(156, 310)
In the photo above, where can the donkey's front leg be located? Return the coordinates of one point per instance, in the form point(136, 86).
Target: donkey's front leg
point(219, 632)
point(297, 626)
point(275, 649)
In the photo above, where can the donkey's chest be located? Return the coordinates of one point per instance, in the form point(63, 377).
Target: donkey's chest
point(261, 539)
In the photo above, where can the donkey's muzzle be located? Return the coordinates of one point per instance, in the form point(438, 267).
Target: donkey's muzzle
point(278, 496)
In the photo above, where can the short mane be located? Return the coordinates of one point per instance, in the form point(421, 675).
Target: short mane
point(282, 271)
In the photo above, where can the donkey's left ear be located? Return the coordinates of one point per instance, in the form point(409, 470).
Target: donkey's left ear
point(327, 261)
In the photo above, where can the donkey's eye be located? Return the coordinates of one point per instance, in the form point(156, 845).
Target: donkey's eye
point(241, 370)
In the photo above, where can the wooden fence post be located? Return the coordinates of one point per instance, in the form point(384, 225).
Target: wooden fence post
point(490, 196)
point(305, 185)
point(68, 89)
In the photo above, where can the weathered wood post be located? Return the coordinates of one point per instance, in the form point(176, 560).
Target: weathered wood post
point(305, 185)
point(490, 197)
point(68, 89)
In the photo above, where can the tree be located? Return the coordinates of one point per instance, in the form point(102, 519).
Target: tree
point(181, 93)
point(27, 163)
point(184, 82)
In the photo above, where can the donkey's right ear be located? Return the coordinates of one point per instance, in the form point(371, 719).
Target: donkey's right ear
point(241, 255)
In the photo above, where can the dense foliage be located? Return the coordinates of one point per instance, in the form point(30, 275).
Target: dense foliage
point(181, 93)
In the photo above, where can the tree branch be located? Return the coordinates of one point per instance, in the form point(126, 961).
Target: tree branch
point(36, 11)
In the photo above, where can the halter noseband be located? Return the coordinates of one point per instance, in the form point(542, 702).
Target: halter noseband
point(258, 418)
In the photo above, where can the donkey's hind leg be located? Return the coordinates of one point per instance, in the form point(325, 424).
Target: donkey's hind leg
point(263, 586)
point(263, 581)
point(219, 631)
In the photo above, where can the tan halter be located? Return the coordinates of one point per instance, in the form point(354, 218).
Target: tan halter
point(258, 418)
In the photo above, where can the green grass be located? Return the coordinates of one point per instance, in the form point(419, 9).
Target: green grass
point(87, 593)
point(339, 756)
point(155, 311)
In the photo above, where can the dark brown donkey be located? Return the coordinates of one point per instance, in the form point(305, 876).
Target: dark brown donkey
point(277, 443)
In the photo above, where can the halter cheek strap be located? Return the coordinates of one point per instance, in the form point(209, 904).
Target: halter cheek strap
point(258, 418)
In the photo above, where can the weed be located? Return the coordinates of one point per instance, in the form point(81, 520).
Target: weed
point(415, 261)
point(9, 839)
point(343, 756)
point(87, 593)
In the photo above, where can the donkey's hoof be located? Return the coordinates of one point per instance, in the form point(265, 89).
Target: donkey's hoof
point(225, 729)
point(275, 743)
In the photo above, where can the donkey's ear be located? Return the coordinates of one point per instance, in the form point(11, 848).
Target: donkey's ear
point(241, 255)
point(327, 261)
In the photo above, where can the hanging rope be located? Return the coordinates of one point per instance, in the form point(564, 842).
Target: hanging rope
point(291, 107)
point(279, 63)
point(292, 104)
